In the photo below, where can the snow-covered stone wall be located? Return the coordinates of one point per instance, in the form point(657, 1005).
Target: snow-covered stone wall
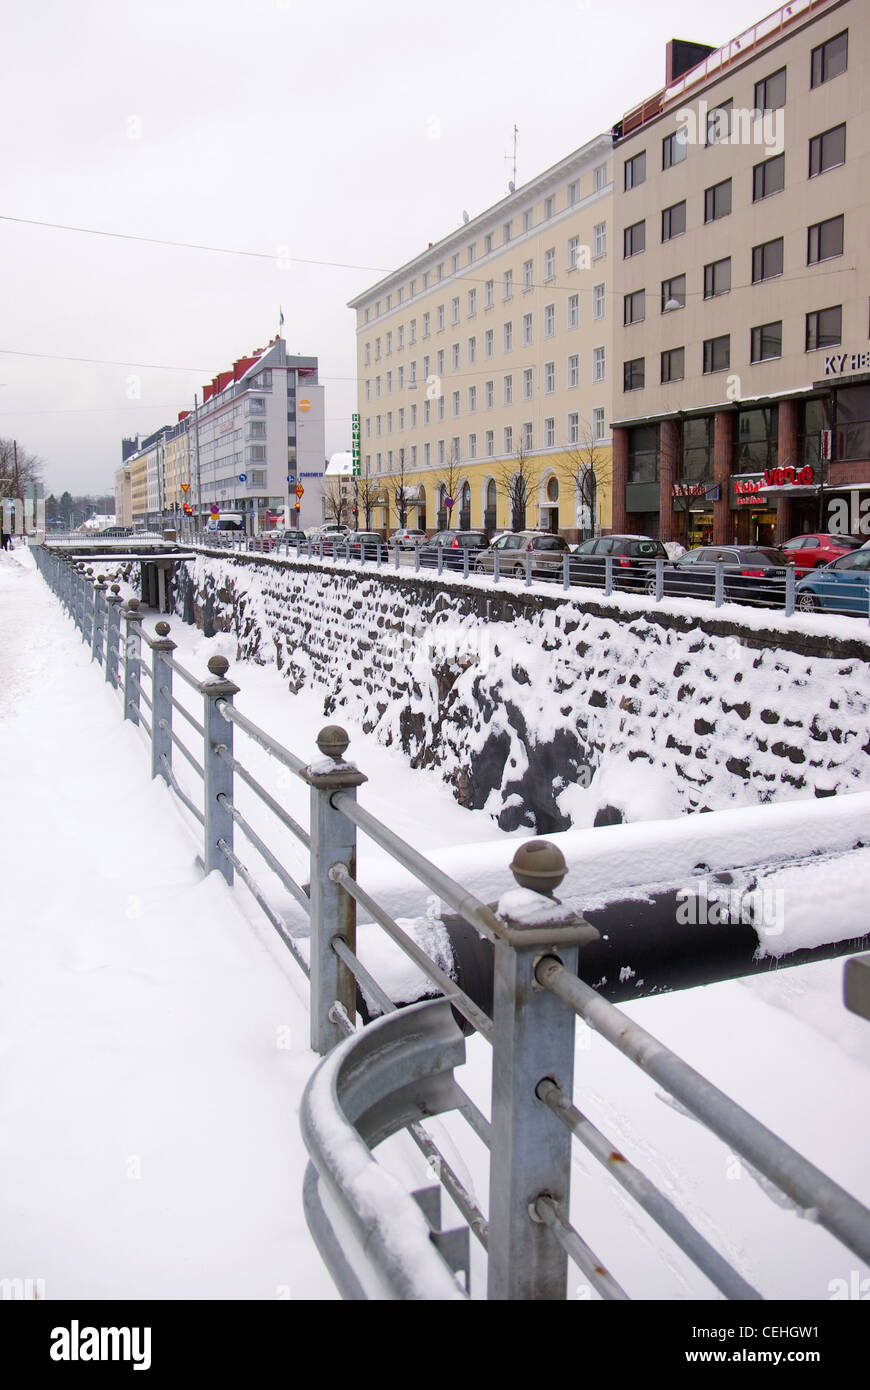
point(550, 710)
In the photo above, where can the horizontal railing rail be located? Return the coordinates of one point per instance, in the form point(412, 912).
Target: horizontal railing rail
point(396, 1066)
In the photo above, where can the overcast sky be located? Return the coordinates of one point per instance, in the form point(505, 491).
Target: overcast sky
point(347, 132)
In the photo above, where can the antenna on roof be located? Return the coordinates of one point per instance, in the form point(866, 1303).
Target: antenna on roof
point(513, 157)
point(465, 216)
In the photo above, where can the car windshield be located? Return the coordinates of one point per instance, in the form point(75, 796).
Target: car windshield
point(767, 555)
point(646, 548)
point(550, 543)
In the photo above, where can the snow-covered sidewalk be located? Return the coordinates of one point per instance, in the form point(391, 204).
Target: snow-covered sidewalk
point(153, 1052)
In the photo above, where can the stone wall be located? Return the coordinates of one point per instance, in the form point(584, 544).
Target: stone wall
point(548, 710)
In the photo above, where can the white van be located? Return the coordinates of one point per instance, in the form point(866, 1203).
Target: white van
point(226, 521)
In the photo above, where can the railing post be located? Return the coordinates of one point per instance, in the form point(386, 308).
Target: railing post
point(566, 570)
point(608, 574)
point(161, 703)
point(97, 625)
point(528, 567)
point(789, 590)
point(660, 579)
point(496, 566)
point(113, 634)
point(132, 663)
point(333, 911)
point(719, 584)
point(530, 1152)
point(217, 775)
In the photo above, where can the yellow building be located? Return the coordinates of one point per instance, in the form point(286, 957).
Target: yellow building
point(178, 464)
point(484, 365)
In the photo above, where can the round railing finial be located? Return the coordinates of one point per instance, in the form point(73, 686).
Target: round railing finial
point(218, 665)
point(333, 742)
point(540, 866)
point(162, 629)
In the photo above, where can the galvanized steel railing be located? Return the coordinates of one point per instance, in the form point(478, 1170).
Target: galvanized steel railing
point(390, 1074)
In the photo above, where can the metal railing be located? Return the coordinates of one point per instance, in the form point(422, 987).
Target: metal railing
point(391, 1074)
point(822, 590)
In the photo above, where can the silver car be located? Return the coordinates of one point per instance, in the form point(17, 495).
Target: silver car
point(545, 550)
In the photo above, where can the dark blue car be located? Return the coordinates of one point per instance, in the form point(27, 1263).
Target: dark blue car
point(843, 586)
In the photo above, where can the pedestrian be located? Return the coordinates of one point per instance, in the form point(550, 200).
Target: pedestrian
point(7, 539)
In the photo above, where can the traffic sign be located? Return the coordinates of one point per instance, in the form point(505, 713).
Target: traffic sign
point(185, 487)
point(299, 489)
point(291, 478)
point(243, 477)
point(448, 502)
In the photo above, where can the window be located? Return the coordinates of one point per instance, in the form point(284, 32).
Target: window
point(472, 399)
point(573, 310)
point(425, 279)
point(389, 345)
point(377, 386)
point(489, 293)
point(527, 330)
point(550, 264)
point(400, 379)
point(829, 59)
point(439, 317)
point(673, 293)
point(440, 410)
point(549, 206)
point(427, 412)
point(489, 443)
point(599, 240)
point(573, 193)
point(827, 150)
point(472, 351)
point(368, 355)
point(439, 362)
point(824, 240)
point(528, 275)
point(506, 233)
point(413, 419)
point(599, 363)
point(673, 221)
point(766, 260)
point(426, 322)
point(489, 394)
point(549, 378)
point(549, 432)
point(599, 177)
point(426, 363)
point(674, 364)
point(508, 390)
point(454, 311)
point(633, 374)
point(441, 272)
point(635, 170)
point(377, 349)
point(456, 263)
point(389, 381)
point(413, 455)
point(549, 320)
point(824, 328)
point(528, 218)
point(599, 301)
point(573, 252)
point(717, 278)
point(441, 451)
point(528, 437)
point(634, 239)
point(487, 244)
point(719, 123)
point(412, 332)
point(488, 343)
point(368, 390)
point(508, 439)
point(674, 148)
point(427, 455)
point(472, 303)
point(574, 369)
point(508, 285)
point(634, 307)
point(454, 357)
point(389, 422)
point(770, 91)
point(598, 422)
point(472, 252)
point(378, 423)
point(508, 337)
point(768, 177)
point(528, 383)
point(717, 201)
point(766, 342)
point(717, 354)
point(472, 446)
point(574, 428)
point(400, 338)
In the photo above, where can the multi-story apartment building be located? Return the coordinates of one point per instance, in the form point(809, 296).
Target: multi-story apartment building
point(742, 245)
point(123, 496)
point(484, 364)
point(254, 445)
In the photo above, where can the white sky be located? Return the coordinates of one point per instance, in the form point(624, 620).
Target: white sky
point(347, 132)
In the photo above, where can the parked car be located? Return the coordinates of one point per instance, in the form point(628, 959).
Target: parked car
point(110, 532)
point(543, 547)
point(752, 574)
point(811, 552)
point(365, 545)
point(843, 586)
point(452, 545)
point(634, 559)
point(407, 537)
point(330, 528)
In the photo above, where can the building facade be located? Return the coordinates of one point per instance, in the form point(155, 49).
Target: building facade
point(484, 365)
point(742, 265)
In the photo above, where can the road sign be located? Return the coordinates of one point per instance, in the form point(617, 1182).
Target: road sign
point(299, 489)
point(291, 478)
point(243, 477)
point(448, 502)
point(185, 487)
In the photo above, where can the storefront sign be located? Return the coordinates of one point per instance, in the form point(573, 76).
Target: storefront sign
point(710, 492)
point(841, 363)
point(751, 484)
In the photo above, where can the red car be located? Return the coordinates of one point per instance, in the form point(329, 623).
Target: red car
point(810, 552)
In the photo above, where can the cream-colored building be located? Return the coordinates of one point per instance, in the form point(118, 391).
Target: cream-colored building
point(123, 496)
point(177, 463)
point(742, 245)
point(484, 364)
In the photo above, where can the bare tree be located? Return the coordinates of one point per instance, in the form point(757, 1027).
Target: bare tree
point(400, 492)
point(369, 495)
point(515, 480)
point(335, 501)
point(589, 472)
point(451, 480)
point(19, 470)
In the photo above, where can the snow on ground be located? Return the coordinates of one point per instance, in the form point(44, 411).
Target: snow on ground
point(157, 1033)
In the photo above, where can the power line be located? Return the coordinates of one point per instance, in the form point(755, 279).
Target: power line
point(103, 361)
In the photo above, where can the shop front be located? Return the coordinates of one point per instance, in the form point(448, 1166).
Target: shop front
point(771, 506)
point(693, 512)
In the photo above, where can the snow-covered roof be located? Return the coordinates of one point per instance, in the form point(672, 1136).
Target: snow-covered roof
point(340, 465)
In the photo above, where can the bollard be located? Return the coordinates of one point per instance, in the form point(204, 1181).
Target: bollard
point(132, 660)
point(533, 1040)
point(217, 774)
point(113, 634)
point(161, 704)
point(97, 622)
point(333, 911)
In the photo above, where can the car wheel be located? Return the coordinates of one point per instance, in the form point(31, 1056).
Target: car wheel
point(519, 572)
point(479, 568)
point(650, 588)
point(807, 603)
